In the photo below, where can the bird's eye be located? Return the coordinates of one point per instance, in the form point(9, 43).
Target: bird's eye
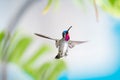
point(67, 32)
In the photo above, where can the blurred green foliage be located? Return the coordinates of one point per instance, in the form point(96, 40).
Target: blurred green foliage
point(2, 35)
point(47, 6)
point(49, 70)
point(110, 6)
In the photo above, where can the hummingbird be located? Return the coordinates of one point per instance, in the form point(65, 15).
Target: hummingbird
point(63, 44)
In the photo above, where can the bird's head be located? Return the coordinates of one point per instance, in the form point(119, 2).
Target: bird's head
point(65, 34)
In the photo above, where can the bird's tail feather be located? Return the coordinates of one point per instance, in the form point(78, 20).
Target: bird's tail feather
point(57, 56)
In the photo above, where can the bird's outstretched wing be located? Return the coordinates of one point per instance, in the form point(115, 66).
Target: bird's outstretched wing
point(40, 35)
point(56, 40)
point(71, 44)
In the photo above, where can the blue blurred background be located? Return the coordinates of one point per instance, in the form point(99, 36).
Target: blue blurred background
point(96, 60)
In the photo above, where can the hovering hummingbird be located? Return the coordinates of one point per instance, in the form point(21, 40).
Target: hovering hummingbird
point(63, 44)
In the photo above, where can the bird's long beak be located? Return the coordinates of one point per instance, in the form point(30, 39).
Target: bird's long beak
point(69, 28)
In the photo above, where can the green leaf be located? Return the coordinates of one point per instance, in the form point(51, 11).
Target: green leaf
point(59, 67)
point(2, 35)
point(111, 6)
point(43, 70)
point(46, 9)
point(19, 49)
point(16, 49)
point(30, 71)
point(112, 2)
point(12, 42)
point(40, 51)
